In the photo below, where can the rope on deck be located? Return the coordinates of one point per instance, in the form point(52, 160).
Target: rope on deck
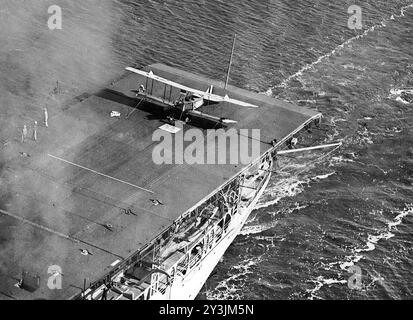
point(134, 109)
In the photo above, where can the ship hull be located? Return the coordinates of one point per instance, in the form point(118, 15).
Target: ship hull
point(190, 286)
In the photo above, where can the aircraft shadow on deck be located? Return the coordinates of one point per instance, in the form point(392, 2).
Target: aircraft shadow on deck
point(155, 112)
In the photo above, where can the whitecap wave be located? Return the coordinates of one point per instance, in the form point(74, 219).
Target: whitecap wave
point(357, 255)
point(253, 226)
point(289, 187)
point(400, 95)
point(227, 289)
point(323, 176)
point(336, 50)
point(321, 282)
point(257, 228)
point(384, 234)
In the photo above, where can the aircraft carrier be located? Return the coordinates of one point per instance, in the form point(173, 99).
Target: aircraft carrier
point(115, 225)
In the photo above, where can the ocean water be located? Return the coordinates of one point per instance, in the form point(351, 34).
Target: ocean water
point(323, 213)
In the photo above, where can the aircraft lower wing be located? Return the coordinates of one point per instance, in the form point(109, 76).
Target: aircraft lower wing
point(234, 101)
point(211, 117)
point(207, 96)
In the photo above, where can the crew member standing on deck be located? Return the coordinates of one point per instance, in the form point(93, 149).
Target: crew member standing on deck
point(35, 131)
point(46, 118)
point(142, 89)
point(105, 293)
point(24, 134)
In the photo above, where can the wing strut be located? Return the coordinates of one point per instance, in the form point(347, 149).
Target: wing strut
point(205, 95)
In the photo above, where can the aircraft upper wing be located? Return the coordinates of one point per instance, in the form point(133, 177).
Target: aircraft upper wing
point(205, 95)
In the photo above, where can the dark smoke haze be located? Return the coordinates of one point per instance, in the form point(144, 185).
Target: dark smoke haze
point(32, 59)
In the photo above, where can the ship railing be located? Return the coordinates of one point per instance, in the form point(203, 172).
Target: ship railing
point(181, 269)
point(226, 224)
point(163, 284)
point(218, 233)
point(195, 259)
point(128, 294)
point(186, 263)
point(149, 247)
point(158, 285)
point(259, 180)
point(127, 289)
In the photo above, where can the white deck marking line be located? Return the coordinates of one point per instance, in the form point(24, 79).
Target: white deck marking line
point(57, 233)
point(101, 174)
point(36, 225)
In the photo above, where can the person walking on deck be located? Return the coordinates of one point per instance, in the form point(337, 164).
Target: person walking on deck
point(35, 131)
point(24, 134)
point(46, 118)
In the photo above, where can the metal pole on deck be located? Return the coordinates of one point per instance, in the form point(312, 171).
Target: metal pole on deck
point(310, 148)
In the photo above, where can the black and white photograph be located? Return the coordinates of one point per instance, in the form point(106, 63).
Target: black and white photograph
point(221, 152)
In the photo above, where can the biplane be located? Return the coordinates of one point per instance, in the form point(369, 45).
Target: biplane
point(182, 101)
